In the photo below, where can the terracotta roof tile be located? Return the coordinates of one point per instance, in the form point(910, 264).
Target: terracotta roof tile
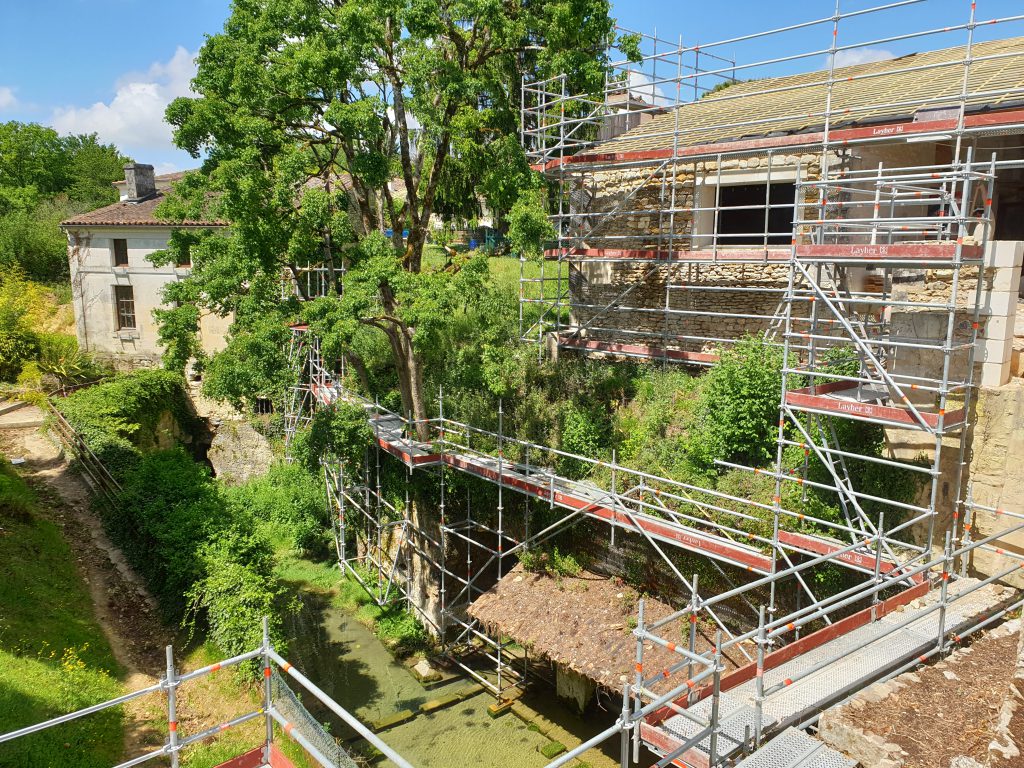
point(129, 214)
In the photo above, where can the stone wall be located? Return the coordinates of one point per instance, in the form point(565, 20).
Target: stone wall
point(997, 473)
point(702, 300)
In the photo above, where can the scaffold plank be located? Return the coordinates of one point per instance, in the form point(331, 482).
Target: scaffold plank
point(924, 252)
point(807, 676)
point(840, 398)
point(795, 749)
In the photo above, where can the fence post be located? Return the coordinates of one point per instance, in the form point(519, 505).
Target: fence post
point(267, 691)
point(172, 712)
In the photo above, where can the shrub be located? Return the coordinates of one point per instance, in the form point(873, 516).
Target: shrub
point(340, 431)
point(582, 434)
point(290, 501)
point(59, 356)
point(18, 342)
point(120, 417)
point(739, 406)
point(238, 589)
point(168, 510)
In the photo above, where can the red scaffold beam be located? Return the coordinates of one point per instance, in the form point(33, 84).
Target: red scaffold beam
point(817, 398)
point(922, 252)
point(686, 538)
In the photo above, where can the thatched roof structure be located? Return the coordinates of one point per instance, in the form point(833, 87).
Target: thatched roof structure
point(582, 622)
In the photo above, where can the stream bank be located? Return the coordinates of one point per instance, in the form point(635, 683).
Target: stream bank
point(442, 725)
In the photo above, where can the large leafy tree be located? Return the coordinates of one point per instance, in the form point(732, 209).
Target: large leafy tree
point(327, 121)
point(44, 178)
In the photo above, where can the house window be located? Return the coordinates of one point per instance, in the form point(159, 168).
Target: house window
point(120, 252)
point(741, 214)
point(184, 257)
point(124, 300)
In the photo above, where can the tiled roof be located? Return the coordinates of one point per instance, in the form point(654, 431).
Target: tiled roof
point(797, 102)
point(129, 214)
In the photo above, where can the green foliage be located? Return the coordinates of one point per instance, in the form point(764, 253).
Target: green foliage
point(200, 549)
point(254, 364)
point(44, 179)
point(60, 357)
point(340, 431)
point(31, 238)
point(293, 96)
point(739, 406)
point(52, 661)
point(120, 418)
point(529, 225)
point(551, 562)
point(238, 589)
point(582, 434)
point(18, 342)
point(289, 503)
point(169, 508)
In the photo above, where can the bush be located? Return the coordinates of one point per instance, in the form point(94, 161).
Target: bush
point(121, 417)
point(239, 588)
point(18, 342)
point(739, 406)
point(168, 510)
point(290, 502)
point(340, 431)
point(59, 356)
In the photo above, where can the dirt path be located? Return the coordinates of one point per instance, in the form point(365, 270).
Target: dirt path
point(124, 609)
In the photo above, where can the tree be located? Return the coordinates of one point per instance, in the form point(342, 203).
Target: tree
point(308, 110)
point(45, 178)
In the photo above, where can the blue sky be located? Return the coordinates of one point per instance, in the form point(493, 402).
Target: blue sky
point(111, 66)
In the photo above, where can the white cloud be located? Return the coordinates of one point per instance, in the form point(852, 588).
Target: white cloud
point(162, 168)
point(643, 86)
point(861, 56)
point(7, 98)
point(134, 118)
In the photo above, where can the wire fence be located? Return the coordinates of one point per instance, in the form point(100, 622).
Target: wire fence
point(287, 703)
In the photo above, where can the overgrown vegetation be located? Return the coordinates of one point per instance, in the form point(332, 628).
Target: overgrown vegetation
point(132, 413)
point(54, 657)
point(35, 342)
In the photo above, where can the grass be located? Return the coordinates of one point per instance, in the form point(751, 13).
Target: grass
point(223, 696)
point(53, 655)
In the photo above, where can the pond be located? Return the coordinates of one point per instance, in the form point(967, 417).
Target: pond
point(352, 666)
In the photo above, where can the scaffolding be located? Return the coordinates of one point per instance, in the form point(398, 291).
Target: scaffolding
point(870, 276)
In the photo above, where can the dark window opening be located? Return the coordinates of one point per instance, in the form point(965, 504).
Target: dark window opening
point(124, 299)
point(120, 253)
point(184, 257)
point(741, 219)
point(263, 405)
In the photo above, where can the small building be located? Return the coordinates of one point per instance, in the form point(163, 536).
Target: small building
point(583, 625)
point(114, 286)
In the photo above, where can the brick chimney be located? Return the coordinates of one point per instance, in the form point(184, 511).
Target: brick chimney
point(140, 183)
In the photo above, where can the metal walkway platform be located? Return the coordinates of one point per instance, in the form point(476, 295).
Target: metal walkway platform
point(795, 749)
point(824, 675)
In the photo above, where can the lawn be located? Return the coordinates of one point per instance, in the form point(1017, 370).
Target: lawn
point(53, 655)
